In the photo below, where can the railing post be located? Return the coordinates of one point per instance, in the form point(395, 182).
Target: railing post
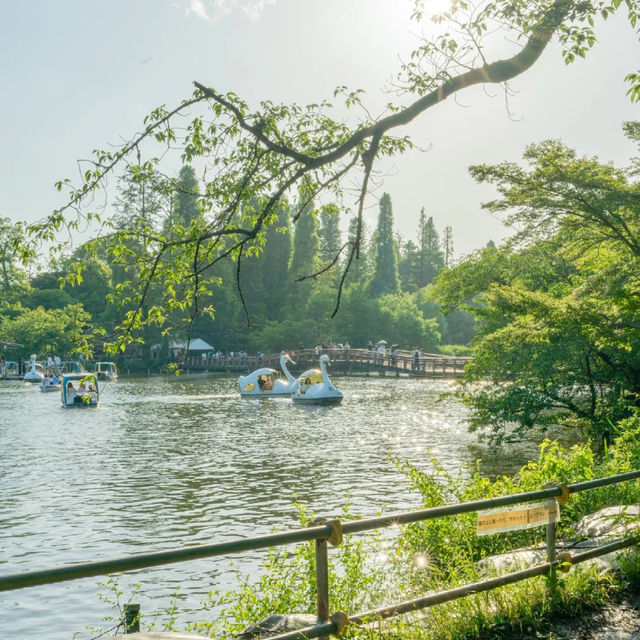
point(131, 617)
point(322, 573)
point(552, 506)
point(322, 580)
point(322, 565)
point(552, 578)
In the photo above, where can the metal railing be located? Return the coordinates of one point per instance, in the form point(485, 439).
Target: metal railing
point(330, 532)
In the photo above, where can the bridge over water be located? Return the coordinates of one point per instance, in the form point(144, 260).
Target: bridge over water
point(343, 362)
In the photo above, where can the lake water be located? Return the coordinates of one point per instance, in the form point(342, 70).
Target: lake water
point(168, 462)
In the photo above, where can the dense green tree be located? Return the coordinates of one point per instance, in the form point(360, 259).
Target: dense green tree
point(407, 326)
point(94, 285)
point(385, 272)
point(305, 242)
point(395, 317)
point(557, 308)
point(142, 208)
point(47, 298)
point(409, 266)
point(53, 331)
point(329, 233)
point(286, 335)
point(360, 269)
point(359, 319)
point(420, 264)
point(13, 279)
point(459, 327)
point(186, 204)
point(430, 308)
point(47, 279)
point(251, 287)
point(226, 328)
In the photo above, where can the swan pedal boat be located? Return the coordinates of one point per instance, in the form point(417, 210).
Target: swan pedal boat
point(35, 373)
point(315, 387)
point(266, 382)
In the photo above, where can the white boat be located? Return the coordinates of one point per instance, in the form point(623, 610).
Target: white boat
point(79, 391)
point(36, 372)
point(105, 370)
point(266, 382)
point(50, 384)
point(315, 387)
point(71, 366)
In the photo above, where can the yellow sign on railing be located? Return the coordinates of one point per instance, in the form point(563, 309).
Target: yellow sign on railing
point(520, 517)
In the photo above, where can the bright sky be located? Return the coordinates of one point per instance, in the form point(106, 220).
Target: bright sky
point(78, 75)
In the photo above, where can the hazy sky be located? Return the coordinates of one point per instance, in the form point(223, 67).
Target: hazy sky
point(77, 75)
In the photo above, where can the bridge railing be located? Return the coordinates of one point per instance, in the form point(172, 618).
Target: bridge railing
point(342, 361)
point(325, 533)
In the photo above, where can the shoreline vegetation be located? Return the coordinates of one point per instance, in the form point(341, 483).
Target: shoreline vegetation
point(367, 572)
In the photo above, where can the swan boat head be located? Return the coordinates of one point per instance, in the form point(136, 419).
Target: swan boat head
point(35, 373)
point(315, 386)
point(284, 359)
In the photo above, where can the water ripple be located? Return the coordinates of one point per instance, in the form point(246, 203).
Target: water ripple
point(166, 462)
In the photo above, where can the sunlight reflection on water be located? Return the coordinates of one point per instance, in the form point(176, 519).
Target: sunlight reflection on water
point(167, 462)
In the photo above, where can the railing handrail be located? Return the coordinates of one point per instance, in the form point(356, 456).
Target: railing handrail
point(318, 532)
point(314, 353)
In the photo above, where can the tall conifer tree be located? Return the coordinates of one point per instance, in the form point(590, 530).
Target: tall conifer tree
point(410, 267)
point(385, 276)
point(360, 268)
point(186, 207)
point(431, 257)
point(329, 232)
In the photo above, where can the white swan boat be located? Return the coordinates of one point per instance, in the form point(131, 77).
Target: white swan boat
point(266, 382)
point(36, 372)
point(315, 387)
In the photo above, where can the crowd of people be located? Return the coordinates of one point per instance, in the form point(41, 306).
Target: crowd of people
point(325, 347)
point(380, 349)
point(52, 380)
point(84, 392)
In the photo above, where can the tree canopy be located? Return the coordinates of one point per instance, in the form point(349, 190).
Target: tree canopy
point(268, 154)
point(557, 307)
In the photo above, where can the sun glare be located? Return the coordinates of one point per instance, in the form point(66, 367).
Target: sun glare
point(421, 560)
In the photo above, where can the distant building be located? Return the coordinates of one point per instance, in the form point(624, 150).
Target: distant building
point(197, 346)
